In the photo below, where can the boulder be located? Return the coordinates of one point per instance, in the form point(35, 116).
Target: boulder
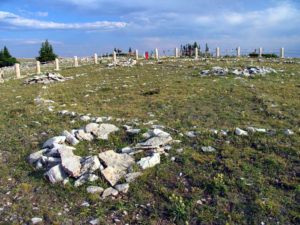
point(149, 161)
point(56, 174)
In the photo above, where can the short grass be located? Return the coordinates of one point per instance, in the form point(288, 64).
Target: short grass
point(248, 180)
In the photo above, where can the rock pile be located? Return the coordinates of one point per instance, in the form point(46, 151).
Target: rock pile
point(241, 72)
point(45, 79)
point(129, 62)
point(58, 158)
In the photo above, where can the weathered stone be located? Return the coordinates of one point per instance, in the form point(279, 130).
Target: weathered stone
point(50, 161)
point(112, 174)
point(90, 165)
point(94, 189)
point(82, 136)
point(127, 150)
point(36, 220)
point(132, 176)
point(33, 157)
point(84, 178)
point(95, 221)
point(288, 132)
point(55, 140)
point(190, 134)
point(133, 131)
point(149, 161)
point(70, 162)
point(85, 118)
point(240, 132)
point(71, 139)
point(91, 128)
point(104, 130)
point(123, 188)
point(208, 149)
point(56, 174)
point(39, 165)
point(109, 192)
point(116, 160)
point(156, 142)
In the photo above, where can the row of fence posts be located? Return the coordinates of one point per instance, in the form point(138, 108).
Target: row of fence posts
point(75, 60)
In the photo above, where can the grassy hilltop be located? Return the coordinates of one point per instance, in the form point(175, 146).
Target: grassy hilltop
point(247, 180)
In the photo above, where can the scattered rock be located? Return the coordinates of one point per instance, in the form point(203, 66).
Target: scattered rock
point(109, 192)
point(156, 142)
point(72, 140)
point(240, 132)
point(56, 174)
point(208, 149)
point(288, 132)
point(33, 157)
point(149, 161)
point(104, 130)
point(70, 162)
point(90, 165)
point(122, 188)
point(116, 160)
point(84, 178)
point(94, 189)
point(45, 79)
point(132, 176)
point(36, 220)
point(55, 140)
point(113, 174)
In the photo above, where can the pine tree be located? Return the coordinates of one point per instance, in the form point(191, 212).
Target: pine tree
point(6, 53)
point(46, 53)
point(6, 59)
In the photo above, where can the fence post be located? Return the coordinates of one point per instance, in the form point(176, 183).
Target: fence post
point(156, 54)
point(1, 78)
point(114, 58)
point(238, 51)
point(136, 55)
point(17, 70)
point(38, 67)
point(217, 52)
point(196, 53)
point(95, 59)
point(86, 59)
point(75, 61)
point(56, 64)
point(282, 53)
point(260, 52)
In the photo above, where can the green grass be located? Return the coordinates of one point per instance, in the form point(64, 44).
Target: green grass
point(248, 180)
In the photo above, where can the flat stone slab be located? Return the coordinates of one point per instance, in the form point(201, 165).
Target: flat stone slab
point(33, 157)
point(90, 165)
point(94, 189)
point(84, 178)
point(104, 130)
point(113, 174)
point(156, 142)
point(57, 140)
point(109, 192)
point(71, 139)
point(122, 188)
point(56, 174)
point(116, 160)
point(70, 162)
point(91, 128)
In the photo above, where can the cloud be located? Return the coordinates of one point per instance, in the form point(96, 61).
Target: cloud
point(29, 41)
point(28, 13)
point(16, 22)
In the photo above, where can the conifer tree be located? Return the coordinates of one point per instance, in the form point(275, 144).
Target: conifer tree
point(46, 53)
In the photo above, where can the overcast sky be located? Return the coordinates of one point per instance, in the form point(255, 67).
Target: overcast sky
point(82, 27)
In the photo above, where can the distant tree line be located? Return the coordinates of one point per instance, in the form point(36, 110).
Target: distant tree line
point(189, 49)
point(6, 59)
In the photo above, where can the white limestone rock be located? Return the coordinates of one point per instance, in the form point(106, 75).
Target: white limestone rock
point(91, 127)
point(34, 157)
point(56, 174)
point(82, 136)
point(116, 160)
point(84, 178)
point(90, 165)
point(71, 139)
point(94, 189)
point(240, 132)
point(149, 161)
point(288, 132)
point(208, 149)
point(122, 188)
point(109, 192)
point(55, 140)
point(113, 174)
point(104, 130)
point(70, 162)
point(36, 220)
point(132, 176)
point(156, 142)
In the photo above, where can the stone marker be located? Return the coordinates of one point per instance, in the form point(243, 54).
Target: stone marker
point(136, 55)
point(56, 64)
point(114, 58)
point(17, 70)
point(176, 52)
point(95, 58)
point(238, 51)
point(86, 59)
point(75, 61)
point(282, 53)
point(156, 54)
point(196, 53)
point(217, 52)
point(38, 67)
point(260, 52)
point(1, 78)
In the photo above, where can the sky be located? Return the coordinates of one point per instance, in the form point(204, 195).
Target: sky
point(85, 27)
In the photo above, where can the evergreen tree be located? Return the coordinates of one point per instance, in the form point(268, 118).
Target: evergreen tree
point(195, 45)
point(6, 53)
point(46, 53)
point(6, 59)
point(206, 49)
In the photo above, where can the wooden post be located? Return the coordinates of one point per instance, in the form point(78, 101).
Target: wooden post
point(217, 52)
point(38, 67)
point(282, 53)
point(136, 55)
point(56, 64)
point(17, 70)
point(95, 58)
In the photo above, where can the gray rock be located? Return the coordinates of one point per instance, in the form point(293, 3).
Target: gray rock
point(240, 132)
point(71, 139)
point(133, 131)
point(104, 130)
point(56, 174)
point(55, 140)
point(190, 134)
point(90, 165)
point(156, 142)
point(116, 160)
point(33, 157)
point(82, 136)
point(94, 222)
point(288, 132)
point(85, 118)
point(132, 176)
point(36, 220)
point(84, 178)
point(91, 128)
point(149, 161)
point(122, 188)
point(50, 161)
point(208, 149)
point(127, 150)
point(109, 192)
point(94, 189)
point(159, 133)
point(70, 162)
point(39, 164)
